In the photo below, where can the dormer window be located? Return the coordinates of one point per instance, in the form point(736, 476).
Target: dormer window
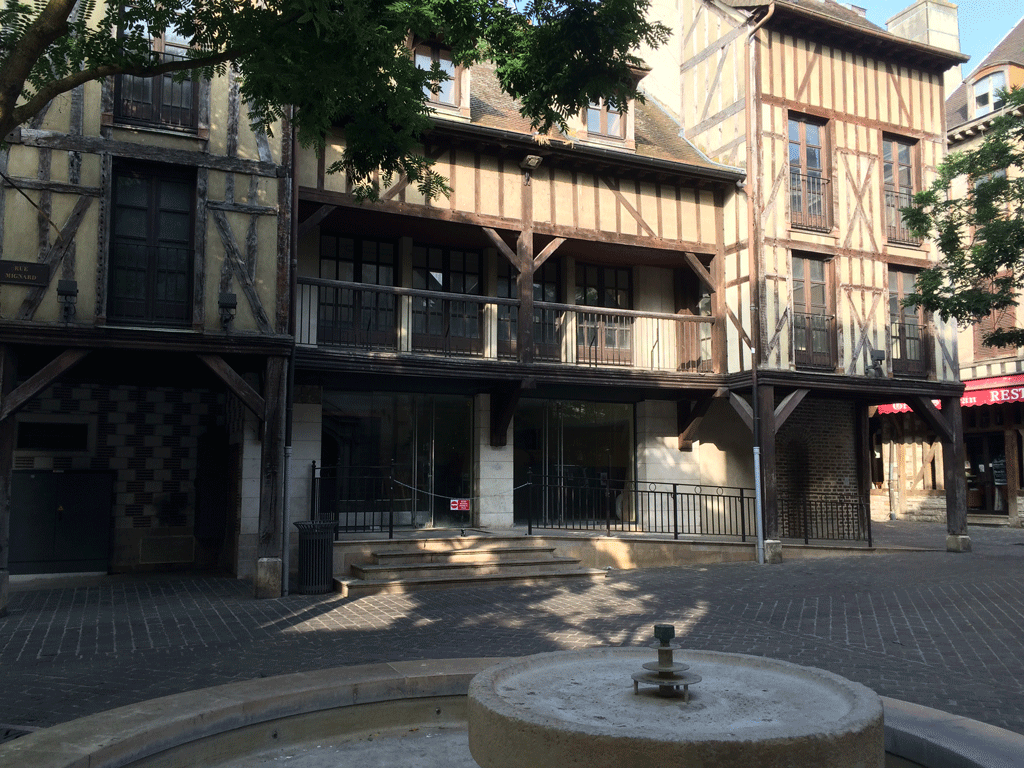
point(988, 94)
point(446, 91)
point(604, 118)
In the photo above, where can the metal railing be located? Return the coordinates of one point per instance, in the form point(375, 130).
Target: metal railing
point(814, 340)
point(909, 348)
point(359, 499)
point(336, 313)
point(810, 202)
point(896, 230)
point(823, 516)
point(679, 509)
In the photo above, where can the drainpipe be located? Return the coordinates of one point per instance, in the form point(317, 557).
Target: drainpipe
point(754, 199)
point(289, 413)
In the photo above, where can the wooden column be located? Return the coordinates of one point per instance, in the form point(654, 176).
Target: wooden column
point(272, 460)
point(766, 439)
point(863, 442)
point(524, 283)
point(1012, 474)
point(953, 456)
point(8, 377)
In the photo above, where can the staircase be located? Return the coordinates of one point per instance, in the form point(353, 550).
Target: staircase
point(436, 566)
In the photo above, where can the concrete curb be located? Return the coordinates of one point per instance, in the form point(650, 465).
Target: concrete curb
point(123, 736)
point(938, 739)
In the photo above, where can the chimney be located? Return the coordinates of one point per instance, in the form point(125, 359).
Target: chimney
point(935, 23)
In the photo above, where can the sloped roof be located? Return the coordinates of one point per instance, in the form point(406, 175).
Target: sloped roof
point(1009, 50)
point(657, 136)
point(836, 24)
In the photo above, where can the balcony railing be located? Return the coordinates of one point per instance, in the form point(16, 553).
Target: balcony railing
point(909, 348)
point(339, 314)
point(814, 338)
point(810, 202)
point(896, 230)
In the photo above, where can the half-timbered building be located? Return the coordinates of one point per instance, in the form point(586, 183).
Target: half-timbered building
point(837, 123)
point(909, 488)
point(144, 338)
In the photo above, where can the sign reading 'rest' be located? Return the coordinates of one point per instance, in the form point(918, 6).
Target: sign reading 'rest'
point(23, 273)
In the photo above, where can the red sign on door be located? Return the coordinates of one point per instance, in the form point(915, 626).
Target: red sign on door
point(460, 505)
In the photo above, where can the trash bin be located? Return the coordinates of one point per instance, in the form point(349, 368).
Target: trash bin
point(316, 556)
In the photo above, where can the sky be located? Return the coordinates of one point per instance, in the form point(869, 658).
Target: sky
point(983, 23)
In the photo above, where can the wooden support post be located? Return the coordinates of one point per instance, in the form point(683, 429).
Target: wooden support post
point(1012, 474)
point(766, 438)
point(953, 456)
point(863, 443)
point(271, 477)
point(503, 407)
point(8, 377)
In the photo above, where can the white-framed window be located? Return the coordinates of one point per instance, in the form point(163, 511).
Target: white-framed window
point(988, 93)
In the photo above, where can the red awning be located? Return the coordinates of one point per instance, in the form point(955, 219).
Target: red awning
point(999, 389)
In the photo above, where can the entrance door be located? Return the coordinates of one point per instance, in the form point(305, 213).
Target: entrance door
point(60, 521)
point(567, 455)
point(986, 477)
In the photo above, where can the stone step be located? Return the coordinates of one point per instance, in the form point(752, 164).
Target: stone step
point(475, 555)
point(361, 587)
point(460, 569)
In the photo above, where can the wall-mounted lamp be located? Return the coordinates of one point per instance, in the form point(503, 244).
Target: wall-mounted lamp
point(67, 296)
point(529, 164)
point(228, 304)
point(877, 358)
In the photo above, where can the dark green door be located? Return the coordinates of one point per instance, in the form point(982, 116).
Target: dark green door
point(60, 521)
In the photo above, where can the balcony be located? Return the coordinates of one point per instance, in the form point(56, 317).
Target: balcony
point(814, 338)
point(896, 230)
point(339, 315)
point(810, 202)
point(909, 348)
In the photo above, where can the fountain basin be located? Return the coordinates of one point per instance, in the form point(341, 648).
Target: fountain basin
point(313, 709)
point(578, 708)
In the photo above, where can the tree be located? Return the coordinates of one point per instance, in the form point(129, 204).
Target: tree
point(975, 210)
point(337, 63)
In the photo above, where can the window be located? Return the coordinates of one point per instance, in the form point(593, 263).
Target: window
point(446, 91)
point(350, 316)
point(810, 197)
point(997, 318)
point(151, 246)
point(446, 324)
point(908, 331)
point(604, 337)
point(898, 177)
point(160, 101)
point(814, 330)
point(546, 340)
point(988, 94)
point(606, 119)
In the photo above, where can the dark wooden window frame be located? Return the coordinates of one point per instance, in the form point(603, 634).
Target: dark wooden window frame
point(349, 316)
point(815, 342)
point(810, 188)
point(593, 335)
point(547, 287)
point(899, 187)
point(129, 112)
point(600, 113)
point(127, 247)
point(908, 331)
point(448, 323)
point(437, 52)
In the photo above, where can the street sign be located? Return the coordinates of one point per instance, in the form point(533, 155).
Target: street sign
point(460, 505)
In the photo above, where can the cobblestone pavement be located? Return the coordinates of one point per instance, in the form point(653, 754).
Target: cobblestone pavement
point(939, 629)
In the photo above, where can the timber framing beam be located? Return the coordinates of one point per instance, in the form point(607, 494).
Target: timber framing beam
point(787, 406)
point(49, 373)
point(689, 417)
point(311, 223)
point(250, 398)
point(931, 416)
point(503, 406)
point(502, 246)
point(700, 270)
point(744, 410)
